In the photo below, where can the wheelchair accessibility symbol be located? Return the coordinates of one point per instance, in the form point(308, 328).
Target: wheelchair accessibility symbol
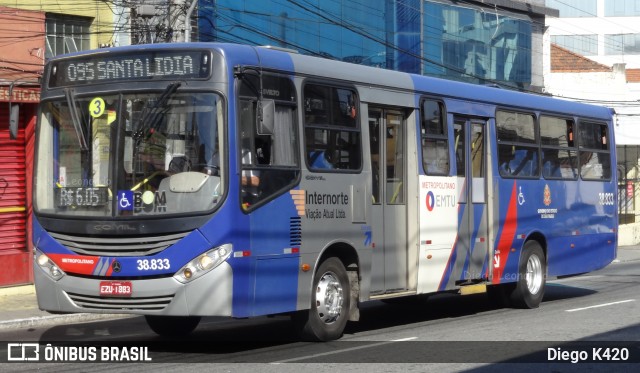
point(125, 200)
point(521, 197)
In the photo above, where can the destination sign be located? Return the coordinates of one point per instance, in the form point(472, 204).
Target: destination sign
point(145, 65)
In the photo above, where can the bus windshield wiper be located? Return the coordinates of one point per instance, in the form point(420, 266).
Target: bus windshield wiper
point(75, 119)
point(150, 116)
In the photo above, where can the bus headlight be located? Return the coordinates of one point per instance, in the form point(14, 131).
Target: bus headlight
point(48, 266)
point(203, 263)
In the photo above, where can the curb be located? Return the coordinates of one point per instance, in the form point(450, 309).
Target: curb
point(627, 254)
point(51, 320)
point(18, 290)
point(618, 260)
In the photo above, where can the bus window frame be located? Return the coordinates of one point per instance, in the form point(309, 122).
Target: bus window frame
point(254, 166)
point(573, 148)
point(357, 128)
point(533, 145)
point(446, 135)
point(582, 149)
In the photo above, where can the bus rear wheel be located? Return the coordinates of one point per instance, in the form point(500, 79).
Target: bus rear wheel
point(330, 302)
point(172, 326)
point(532, 272)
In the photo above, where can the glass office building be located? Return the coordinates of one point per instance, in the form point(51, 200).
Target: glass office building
point(482, 42)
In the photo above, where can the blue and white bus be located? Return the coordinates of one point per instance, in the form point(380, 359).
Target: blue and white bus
point(178, 181)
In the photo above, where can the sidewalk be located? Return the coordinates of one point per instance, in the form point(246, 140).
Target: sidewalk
point(19, 307)
point(628, 253)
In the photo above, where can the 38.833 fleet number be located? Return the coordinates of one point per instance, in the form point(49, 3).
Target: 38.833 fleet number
point(153, 264)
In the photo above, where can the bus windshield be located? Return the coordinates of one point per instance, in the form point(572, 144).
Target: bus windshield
point(129, 155)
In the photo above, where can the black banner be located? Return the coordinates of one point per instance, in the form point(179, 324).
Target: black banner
point(174, 351)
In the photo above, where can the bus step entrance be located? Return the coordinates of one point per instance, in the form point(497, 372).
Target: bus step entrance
point(473, 289)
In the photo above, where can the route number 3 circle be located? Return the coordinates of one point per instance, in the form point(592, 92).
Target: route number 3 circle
point(96, 107)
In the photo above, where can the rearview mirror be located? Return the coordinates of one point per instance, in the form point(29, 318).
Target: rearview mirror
point(267, 119)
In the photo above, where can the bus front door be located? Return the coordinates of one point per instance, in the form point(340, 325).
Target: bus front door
point(471, 250)
point(389, 209)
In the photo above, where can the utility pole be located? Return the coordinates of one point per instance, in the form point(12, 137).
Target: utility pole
point(161, 21)
point(188, 19)
point(181, 12)
point(150, 22)
point(177, 15)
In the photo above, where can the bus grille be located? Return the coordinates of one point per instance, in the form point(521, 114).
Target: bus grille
point(121, 304)
point(110, 246)
point(295, 232)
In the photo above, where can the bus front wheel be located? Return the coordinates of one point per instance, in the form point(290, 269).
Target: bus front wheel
point(532, 271)
point(330, 302)
point(172, 326)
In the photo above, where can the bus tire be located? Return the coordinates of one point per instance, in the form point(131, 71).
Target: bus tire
point(172, 326)
point(330, 302)
point(532, 272)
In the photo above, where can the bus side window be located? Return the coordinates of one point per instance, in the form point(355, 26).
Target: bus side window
point(518, 150)
point(505, 156)
point(559, 155)
point(551, 163)
point(435, 144)
point(331, 130)
point(269, 161)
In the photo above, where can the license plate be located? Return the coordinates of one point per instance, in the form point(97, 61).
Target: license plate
point(116, 288)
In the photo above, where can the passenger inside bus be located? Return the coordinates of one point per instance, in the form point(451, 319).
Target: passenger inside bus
point(517, 161)
point(252, 183)
point(505, 157)
point(551, 163)
point(320, 159)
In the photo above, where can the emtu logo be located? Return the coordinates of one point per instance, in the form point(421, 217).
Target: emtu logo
point(299, 197)
point(440, 200)
point(431, 201)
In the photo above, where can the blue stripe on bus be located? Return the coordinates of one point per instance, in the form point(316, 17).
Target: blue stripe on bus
point(276, 273)
point(267, 280)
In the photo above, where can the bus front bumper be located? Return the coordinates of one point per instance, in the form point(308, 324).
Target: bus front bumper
point(208, 295)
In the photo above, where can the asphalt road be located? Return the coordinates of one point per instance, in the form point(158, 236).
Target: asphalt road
point(459, 333)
